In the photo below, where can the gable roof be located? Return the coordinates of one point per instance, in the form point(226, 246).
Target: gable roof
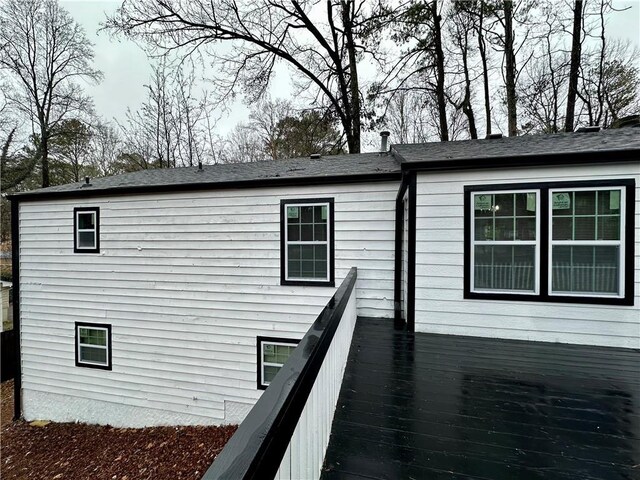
point(296, 171)
point(574, 147)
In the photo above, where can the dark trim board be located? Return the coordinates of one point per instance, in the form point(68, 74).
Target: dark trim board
point(15, 277)
point(259, 341)
point(411, 262)
point(546, 160)
point(201, 186)
point(331, 246)
point(543, 295)
point(109, 349)
point(399, 321)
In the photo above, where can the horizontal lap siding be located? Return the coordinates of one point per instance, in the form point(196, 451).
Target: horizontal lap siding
point(440, 306)
point(187, 282)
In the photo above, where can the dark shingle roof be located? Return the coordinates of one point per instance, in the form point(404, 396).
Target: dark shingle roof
point(516, 148)
point(503, 152)
point(266, 172)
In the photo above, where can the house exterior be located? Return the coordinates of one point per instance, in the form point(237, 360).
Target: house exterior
point(174, 296)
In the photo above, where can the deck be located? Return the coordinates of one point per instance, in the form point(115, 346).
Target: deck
point(425, 406)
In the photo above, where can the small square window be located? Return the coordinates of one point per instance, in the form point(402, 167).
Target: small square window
point(86, 230)
point(93, 345)
point(272, 355)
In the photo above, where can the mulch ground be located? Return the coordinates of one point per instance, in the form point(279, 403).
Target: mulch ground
point(77, 451)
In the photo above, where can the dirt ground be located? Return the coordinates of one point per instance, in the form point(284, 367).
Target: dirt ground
point(77, 451)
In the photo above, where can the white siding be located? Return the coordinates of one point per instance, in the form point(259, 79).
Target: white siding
point(187, 281)
point(440, 306)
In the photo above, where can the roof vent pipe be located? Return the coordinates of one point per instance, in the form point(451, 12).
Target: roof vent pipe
point(384, 136)
point(591, 129)
point(494, 136)
point(315, 156)
point(199, 165)
point(87, 182)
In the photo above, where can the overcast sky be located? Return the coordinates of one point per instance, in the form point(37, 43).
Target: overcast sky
point(126, 67)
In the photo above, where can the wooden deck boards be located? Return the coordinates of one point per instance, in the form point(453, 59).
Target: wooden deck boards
point(423, 406)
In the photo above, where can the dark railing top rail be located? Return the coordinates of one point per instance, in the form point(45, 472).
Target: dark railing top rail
point(257, 448)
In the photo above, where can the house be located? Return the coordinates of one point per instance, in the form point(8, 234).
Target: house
point(175, 296)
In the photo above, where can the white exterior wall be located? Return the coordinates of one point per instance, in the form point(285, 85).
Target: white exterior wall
point(187, 281)
point(440, 304)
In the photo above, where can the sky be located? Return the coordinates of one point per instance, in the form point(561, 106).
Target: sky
point(126, 67)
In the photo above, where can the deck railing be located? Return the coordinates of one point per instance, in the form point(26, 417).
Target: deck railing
point(286, 433)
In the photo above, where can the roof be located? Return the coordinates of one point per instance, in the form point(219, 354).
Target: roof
point(615, 145)
point(513, 150)
point(330, 169)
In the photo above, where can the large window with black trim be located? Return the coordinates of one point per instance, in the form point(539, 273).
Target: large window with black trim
point(307, 228)
point(93, 345)
point(558, 241)
point(86, 230)
point(272, 355)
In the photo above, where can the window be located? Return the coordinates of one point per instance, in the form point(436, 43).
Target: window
point(568, 242)
point(86, 230)
point(272, 355)
point(93, 345)
point(307, 242)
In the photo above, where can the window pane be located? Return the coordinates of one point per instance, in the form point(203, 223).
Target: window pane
point(270, 373)
point(306, 215)
point(306, 234)
point(585, 228)
point(608, 202)
point(86, 240)
point(86, 221)
point(269, 353)
point(293, 233)
point(483, 229)
point(526, 228)
point(504, 228)
point(504, 204)
point(320, 234)
point(593, 269)
point(562, 228)
point(92, 336)
point(293, 214)
point(526, 204)
point(320, 252)
point(293, 252)
point(585, 203)
point(320, 214)
point(483, 205)
point(504, 267)
point(283, 352)
point(307, 252)
point(294, 268)
point(307, 269)
point(609, 228)
point(93, 354)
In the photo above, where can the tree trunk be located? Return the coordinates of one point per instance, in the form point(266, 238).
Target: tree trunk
point(576, 48)
point(485, 71)
point(353, 138)
point(440, 94)
point(467, 107)
point(510, 74)
point(44, 157)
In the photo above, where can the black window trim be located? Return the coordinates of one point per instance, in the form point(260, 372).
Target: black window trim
point(76, 248)
point(259, 341)
point(109, 345)
point(543, 296)
point(331, 253)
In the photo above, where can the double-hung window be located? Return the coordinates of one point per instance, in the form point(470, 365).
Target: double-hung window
point(93, 345)
point(86, 234)
point(272, 355)
point(307, 242)
point(569, 241)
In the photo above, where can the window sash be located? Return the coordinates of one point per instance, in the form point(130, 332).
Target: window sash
point(93, 230)
point(620, 243)
point(326, 242)
point(105, 347)
point(271, 364)
point(535, 243)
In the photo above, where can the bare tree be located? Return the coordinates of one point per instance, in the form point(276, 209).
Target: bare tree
point(574, 72)
point(324, 53)
point(45, 52)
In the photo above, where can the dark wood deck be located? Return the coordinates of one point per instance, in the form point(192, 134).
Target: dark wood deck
point(423, 406)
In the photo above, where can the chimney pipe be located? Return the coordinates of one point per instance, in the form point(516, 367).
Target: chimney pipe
point(199, 165)
point(87, 182)
point(384, 136)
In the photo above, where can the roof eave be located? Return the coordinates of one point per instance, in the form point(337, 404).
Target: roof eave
point(202, 186)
